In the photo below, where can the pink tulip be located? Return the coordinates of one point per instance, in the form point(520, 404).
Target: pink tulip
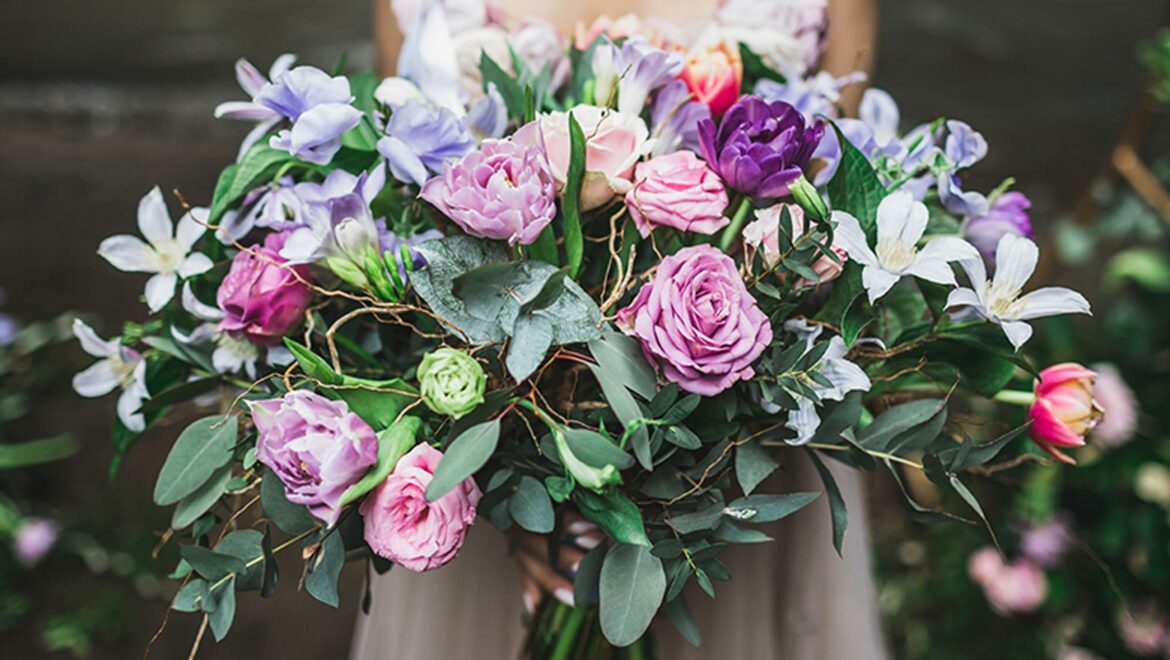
point(1064, 410)
point(714, 74)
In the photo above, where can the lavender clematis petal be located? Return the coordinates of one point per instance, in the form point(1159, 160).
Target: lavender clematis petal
point(964, 145)
point(675, 117)
point(965, 204)
point(244, 111)
point(489, 116)
point(404, 164)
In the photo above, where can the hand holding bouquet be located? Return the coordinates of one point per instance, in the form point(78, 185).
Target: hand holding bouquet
point(618, 280)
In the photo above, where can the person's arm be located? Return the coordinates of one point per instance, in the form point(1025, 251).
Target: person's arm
point(853, 34)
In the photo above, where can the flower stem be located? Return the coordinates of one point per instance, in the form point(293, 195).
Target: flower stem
point(731, 232)
point(1015, 398)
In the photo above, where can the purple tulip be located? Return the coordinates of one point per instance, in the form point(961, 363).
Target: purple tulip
point(1008, 215)
point(505, 191)
point(317, 448)
point(759, 148)
point(263, 297)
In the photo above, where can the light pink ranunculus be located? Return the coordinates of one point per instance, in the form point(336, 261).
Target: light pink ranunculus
point(714, 75)
point(1064, 410)
point(317, 447)
point(614, 143)
point(763, 233)
point(1018, 587)
point(400, 525)
point(263, 297)
point(503, 191)
point(1119, 405)
point(677, 190)
point(698, 322)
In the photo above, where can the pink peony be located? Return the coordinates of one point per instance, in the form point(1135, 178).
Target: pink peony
point(763, 233)
point(714, 75)
point(406, 529)
point(677, 190)
point(1064, 410)
point(1119, 405)
point(504, 191)
point(614, 142)
point(315, 446)
point(697, 320)
point(1010, 588)
point(262, 297)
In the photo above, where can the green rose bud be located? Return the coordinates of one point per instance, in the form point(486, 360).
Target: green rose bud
point(809, 199)
point(451, 382)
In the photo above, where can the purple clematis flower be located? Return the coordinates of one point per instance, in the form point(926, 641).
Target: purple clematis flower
point(816, 95)
point(319, 107)
point(759, 148)
point(675, 116)
point(252, 81)
point(421, 138)
point(1007, 215)
point(633, 70)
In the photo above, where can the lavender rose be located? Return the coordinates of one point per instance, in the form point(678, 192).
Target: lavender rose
point(315, 446)
point(759, 148)
point(698, 321)
point(504, 191)
point(263, 297)
point(409, 531)
point(677, 190)
point(1008, 215)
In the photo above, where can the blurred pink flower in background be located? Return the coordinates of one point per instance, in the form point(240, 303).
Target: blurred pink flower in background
point(1018, 587)
point(1120, 406)
point(1047, 543)
point(34, 539)
point(1144, 631)
point(714, 75)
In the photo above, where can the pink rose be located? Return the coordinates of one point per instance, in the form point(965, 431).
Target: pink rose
point(763, 233)
point(1010, 588)
point(677, 190)
point(714, 75)
point(263, 297)
point(1064, 410)
point(698, 322)
point(409, 531)
point(614, 143)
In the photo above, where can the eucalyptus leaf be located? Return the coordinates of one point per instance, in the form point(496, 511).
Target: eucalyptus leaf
point(466, 455)
point(247, 546)
point(531, 339)
point(614, 513)
point(220, 619)
point(623, 357)
point(191, 507)
point(837, 511)
point(202, 448)
point(209, 564)
point(753, 464)
point(325, 570)
point(631, 588)
point(531, 507)
point(291, 518)
point(768, 508)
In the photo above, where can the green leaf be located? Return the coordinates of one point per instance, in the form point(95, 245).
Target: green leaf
point(545, 247)
point(447, 259)
point(290, 518)
point(247, 546)
point(220, 619)
point(968, 456)
point(178, 394)
point(754, 68)
point(209, 564)
point(768, 508)
point(615, 513)
point(753, 464)
point(837, 510)
point(466, 455)
point(257, 167)
point(891, 424)
point(559, 488)
point(508, 87)
point(624, 407)
point(588, 574)
point(729, 532)
point(623, 357)
point(191, 597)
point(378, 403)
point(596, 450)
point(969, 498)
point(531, 339)
point(37, 452)
point(847, 291)
point(202, 448)
point(571, 198)
point(680, 616)
point(393, 444)
point(531, 507)
point(325, 569)
point(856, 188)
point(681, 436)
point(705, 519)
point(632, 586)
point(191, 507)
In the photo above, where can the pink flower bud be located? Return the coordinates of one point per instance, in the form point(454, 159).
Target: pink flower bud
point(714, 74)
point(1064, 410)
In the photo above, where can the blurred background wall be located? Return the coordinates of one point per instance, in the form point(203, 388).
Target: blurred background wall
point(101, 100)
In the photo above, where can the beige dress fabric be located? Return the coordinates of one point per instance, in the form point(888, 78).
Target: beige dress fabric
point(792, 598)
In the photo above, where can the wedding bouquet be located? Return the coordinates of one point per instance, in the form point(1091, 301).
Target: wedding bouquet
point(621, 277)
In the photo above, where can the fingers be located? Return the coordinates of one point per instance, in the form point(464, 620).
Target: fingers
point(539, 572)
point(531, 594)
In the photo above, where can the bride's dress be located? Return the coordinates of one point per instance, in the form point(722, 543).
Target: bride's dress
point(791, 598)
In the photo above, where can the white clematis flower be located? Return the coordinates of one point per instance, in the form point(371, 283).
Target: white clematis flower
point(901, 221)
point(999, 299)
point(120, 367)
point(166, 252)
point(845, 377)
